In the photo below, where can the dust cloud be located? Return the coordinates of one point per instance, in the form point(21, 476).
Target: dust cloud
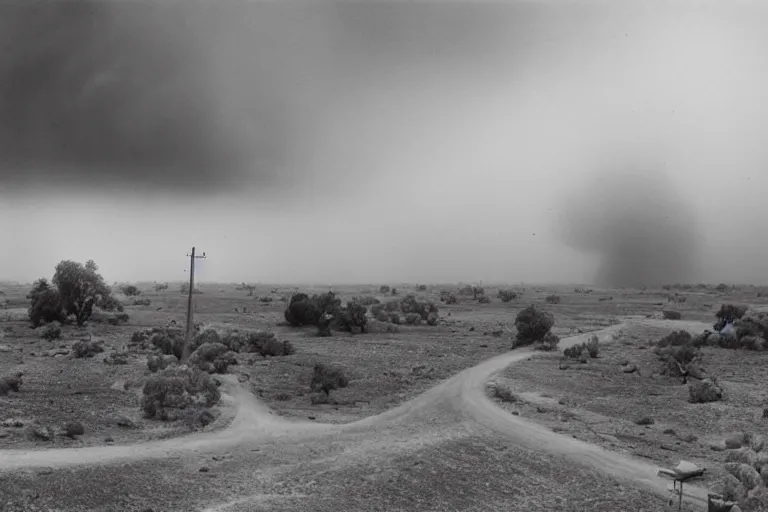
point(385, 141)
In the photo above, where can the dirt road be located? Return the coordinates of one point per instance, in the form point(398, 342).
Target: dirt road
point(465, 393)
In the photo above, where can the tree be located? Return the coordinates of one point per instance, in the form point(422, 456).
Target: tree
point(80, 288)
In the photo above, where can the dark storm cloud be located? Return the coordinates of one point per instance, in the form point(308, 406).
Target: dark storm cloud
point(192, 96)
point(641, 227)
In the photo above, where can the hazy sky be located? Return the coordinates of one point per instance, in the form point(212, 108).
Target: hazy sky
point(385, 141)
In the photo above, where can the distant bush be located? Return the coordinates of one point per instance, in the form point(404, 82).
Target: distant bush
point(410, 304)
point(382, 317)
point(421, 287)
point(171, 393)
point(412, 319)
point(593, 346)
point(266, 299)
point(377, 310)
point(392, 305)
point(86, 348)
point(367, 301)
point(532, 325)
point(484, 299)
point(394, 291)
point(184, 288)
point(548, 343)
point(671, 315)
point(477, 291)
point(305, 310)
point(553, 299)
point(352, 318)
point(451, 299)
point(161, 287)
point(507, 295)
point(675, 339)
point(130, 290)
point(575, 351)
point(142, 302)
point(394, 318)
point(51, 331)
point(326, 379)
point(384, 289)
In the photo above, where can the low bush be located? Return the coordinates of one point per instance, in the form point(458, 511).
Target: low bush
point(377, 310)
point(326, 379)
point(451, 299)
point(593, 346)
point(142, 302)
point(352, 318)
point(575, 351)
point(507, 295)
point(504, 394)
point(671, 315)
point(553, 299)
point(51, 331)
point(392, 305)
point(212, 358)
point(384, 288)
point(172, 392)
point(548, 343)
point(130, 290)
point(86, 348)
point(412, 319)
point(157, 362)
point(704, 391)
point(366, 301)
point(484, 299)
point(532, 325)
point(11, 383)
point(116, 358)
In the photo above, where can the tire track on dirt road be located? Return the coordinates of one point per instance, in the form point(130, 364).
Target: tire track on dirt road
point(465, 393)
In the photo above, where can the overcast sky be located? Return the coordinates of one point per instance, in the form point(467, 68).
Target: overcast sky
point(385, 142)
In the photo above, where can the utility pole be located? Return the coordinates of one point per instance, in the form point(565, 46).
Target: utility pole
point(188, 334)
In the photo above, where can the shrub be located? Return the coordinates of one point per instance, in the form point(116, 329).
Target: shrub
point(421, 287)
point(11, 383)
point(410, 304)
point(671, 315)
point(484, 299)
point(507, 295)
point(326, 379)
point(276, 348)
point(51, 331)
point(377, 310)
point(394, 291)
point(142, 302)
point(548, 343)
point(704, 391)
point(412, 319)
point(266, 299)
point(169, 341)
point(45, 304)
point(477, 291)
point(504, 394)
point(161, 287)
point(432, 318)
point(575, 351)
point(593, 346)
point(451, 299)
point(532, 325)
point(382, 317)
point(212, 358)
point(553, 299)
point(85, 348)
point(392, 305)
point(304, 310)
point(675, 339)
point(168, 394)
point(156, 362)
point(352, 318)
point(729, 313)
point(116, 358)
point(74, 429)
point(394, 318)
point(207, 336)
point(130, 290)
point(384, 289)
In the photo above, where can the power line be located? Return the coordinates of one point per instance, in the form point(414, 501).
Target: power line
point(188, 334)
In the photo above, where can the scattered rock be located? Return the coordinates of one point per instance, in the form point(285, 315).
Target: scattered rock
point(717, 447)
point(108, 440)
point(645, 420)
point(630, 368)
point(5, 348)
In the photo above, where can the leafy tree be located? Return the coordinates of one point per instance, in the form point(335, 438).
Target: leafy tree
point(81, 288)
